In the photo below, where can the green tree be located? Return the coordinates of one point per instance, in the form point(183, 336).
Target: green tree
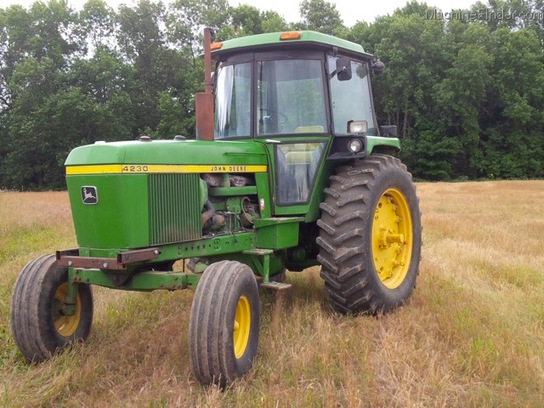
point(143, 42)
point(108, 83)
point(97, 21)
point(38, 46)
point(245, 20)
point(322, 16)
point(30, 154)
point(248, 20)
point(188, 18)
point(513, 128)
point(461, 100)
point(466, 96)
point(417, 52)
point(271, 22)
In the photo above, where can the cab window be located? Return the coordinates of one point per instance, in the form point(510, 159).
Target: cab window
point(351, 99)
point(233, 101)
point(296, 169)
point(290, 97)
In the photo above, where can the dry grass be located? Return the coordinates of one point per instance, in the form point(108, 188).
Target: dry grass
point(472, 335)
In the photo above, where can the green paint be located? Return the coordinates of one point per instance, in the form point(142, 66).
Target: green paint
point(152, 193)
point(277, 233)
point(373, 141)
point(307, 39)
point(143, 281)
point(120, 217)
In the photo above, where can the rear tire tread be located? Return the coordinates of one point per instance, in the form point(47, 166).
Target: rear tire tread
point(345, 253)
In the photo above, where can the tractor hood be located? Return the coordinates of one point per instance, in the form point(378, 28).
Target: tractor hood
point(145, 193)
point(146, 155)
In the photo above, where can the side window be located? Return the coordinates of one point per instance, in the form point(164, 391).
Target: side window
point(351, 99)
point(233, 101)
point(296, 170)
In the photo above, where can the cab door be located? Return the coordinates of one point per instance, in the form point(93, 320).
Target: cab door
point(292, 118)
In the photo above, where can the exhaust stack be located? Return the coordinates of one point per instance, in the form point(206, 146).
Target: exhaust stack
point(204, 100)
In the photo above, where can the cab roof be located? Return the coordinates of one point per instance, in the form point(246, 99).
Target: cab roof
point(288, 39)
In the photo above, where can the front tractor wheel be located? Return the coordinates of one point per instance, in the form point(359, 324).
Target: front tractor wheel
point(40, 321)
point(370, 238)
point(224, 323)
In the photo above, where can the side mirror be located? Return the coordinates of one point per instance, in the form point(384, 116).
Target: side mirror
point(388, 130)
point(343, 69)
point(378, 67)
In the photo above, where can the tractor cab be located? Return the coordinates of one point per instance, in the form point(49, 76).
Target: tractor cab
point(306, 96)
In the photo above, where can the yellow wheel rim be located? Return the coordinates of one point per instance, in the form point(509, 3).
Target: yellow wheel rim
point(242, 325)
point(66, 325)
point(392, 238)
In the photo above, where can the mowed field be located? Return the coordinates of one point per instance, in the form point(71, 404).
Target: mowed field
point(471, 336)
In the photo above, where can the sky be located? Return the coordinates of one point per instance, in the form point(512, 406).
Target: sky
point(351, 11)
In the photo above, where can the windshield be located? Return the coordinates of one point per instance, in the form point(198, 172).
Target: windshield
point(290, 97)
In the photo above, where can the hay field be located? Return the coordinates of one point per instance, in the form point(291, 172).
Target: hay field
point(472, 335)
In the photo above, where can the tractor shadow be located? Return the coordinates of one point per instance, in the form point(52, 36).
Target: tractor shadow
point(306, 296)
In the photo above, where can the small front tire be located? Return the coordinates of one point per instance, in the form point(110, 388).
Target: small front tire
point(224, 323)
point(39, 325)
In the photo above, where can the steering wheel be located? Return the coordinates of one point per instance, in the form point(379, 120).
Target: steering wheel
point(272, 115)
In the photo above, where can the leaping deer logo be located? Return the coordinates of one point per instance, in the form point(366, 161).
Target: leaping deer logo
point(89, 195)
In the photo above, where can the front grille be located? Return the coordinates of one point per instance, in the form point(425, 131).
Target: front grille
point(174, 208)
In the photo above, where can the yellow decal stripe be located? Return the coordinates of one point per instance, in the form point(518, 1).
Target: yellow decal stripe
point(164, 168)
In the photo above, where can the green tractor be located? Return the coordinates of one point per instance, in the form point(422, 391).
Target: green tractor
point(289, 170)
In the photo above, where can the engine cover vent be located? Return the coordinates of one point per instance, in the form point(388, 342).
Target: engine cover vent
point(174, 208)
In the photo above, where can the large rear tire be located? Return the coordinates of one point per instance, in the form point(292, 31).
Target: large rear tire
point(224, 323)
point(39, 326)
point(370, 238)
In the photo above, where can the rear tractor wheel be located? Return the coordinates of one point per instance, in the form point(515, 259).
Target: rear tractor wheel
point(224, 323)
point(39, 321)
point(370, 238)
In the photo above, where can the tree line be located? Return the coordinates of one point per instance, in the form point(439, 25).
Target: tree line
point(465, 89)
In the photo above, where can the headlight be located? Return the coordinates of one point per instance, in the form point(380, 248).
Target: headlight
point(355, 146)
point(357, 127)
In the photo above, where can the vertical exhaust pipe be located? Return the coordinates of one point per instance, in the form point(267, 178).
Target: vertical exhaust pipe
point(204, 100)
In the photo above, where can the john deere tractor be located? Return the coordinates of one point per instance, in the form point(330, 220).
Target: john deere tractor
point(289, 170)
